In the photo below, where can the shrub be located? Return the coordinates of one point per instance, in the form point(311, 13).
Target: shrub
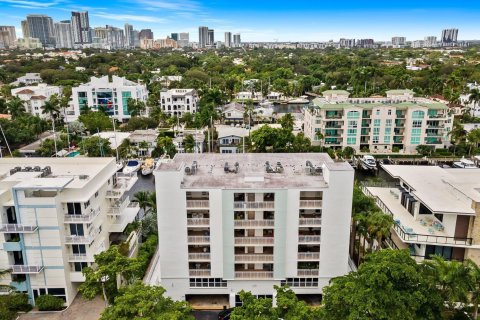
point(49, 303)
point(395, 149)
point(17, 302)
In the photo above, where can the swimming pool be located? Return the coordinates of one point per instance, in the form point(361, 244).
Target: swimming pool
point(73, 154)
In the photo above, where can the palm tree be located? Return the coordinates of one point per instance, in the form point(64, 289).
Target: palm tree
point(3, 273)
point(473, 286)
point(473, 137)
point(152, 201)
point(52, 107)
point(379, 226)
point(143, 199)
point(474, 97)
point(15, 107)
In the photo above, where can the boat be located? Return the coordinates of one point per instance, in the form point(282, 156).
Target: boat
point(148, 167)
point(298, 101)
point(464, 164)
point(120, 165)
point(132, 166)
point(368, 162)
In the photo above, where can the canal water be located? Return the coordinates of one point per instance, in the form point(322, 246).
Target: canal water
point(289, 108)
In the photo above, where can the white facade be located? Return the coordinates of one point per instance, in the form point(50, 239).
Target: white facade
point(177, 102)
point(110, 95)
point(34, 97)
point(56, 214)
point(229, 223)
point(28, 78)
point(378, 124)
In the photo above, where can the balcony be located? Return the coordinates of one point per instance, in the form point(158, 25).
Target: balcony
point(198, 222)
point(198, 204)
point(17, 228)
point(254, 205)
point(310, 204)
point(77, 277)
point(83, 218)
point(254, 274)
point(254, 240)
point(308, 256)
point(82, 239)
point(124, 183)
point(309, 222)
point(198, 239)
point(199, 256)
point(23, 269)
point(80, 257)
point(118, 206)
point(307, 273)
point(259, 257)
point(253, 223)
point(199, 273)
point(128, 215)
point(308, 239)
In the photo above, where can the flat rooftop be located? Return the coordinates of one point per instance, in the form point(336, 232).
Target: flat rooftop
point(69, 172)
point(252, 171)
point(441, 190)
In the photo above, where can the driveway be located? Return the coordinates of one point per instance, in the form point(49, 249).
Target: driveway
point(80, 309)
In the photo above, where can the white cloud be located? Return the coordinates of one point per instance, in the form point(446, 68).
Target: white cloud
point(30, 4)
point(128, 17)
point(172, 5)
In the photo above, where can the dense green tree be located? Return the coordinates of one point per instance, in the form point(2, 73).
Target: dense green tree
point(287, 121)
point(135, 107)
point(140, 301)
point(425, 150)
point(473, 137)
point(165, 145)
point(47, 147)
point(15, 107)
point(388, 285)
point(95, 146)
point(96, 121)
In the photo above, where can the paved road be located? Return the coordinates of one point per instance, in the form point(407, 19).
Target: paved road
point(206, 315)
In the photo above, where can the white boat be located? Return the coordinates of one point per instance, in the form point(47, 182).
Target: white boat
point(120, 165)
point(368, 162)
point(132, 166)
point(298, 101)
point(148, 167)
point(464, 164)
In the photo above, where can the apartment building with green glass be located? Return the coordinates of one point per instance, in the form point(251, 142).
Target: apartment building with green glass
point(398, 121)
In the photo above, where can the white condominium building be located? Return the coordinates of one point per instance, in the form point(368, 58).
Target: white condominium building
point(56, 214)
point(251, 221)
point(111, 96)
point(177, 102)
point(34, 97)
point(381, 124)
point(435, 210)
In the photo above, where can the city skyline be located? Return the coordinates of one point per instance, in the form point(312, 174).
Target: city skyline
point(266, 21)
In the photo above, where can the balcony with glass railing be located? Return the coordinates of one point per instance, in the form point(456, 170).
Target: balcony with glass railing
point(124, 182)
point(309, 238)
point(252, 258)
point(254, 205)
point(309, 222)
point(199, 273)
point(118, 206)
point(26, 269)
point(254, 275)
point(254, 240)
point(198, 222)
point(88, 239)
point(198, 204)
point(82, 218)
point(80, 257)
point(307, 272)
point(17, 228)
point(198, 239)
point(253, 223)
point(198, 256)
point(306, 256)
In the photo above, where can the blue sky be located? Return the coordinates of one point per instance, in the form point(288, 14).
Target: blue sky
point(267, 20)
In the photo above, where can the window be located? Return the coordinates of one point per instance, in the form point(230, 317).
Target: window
point(375, 139)
point(74, 208)
point(207, 283)
point(416, 132)
point(86, 204)
point(353, 123)
point(418, 114)
point(351, 140)
point(417, 123)
point(78, 266)
point(388, 123)
point(376, 122)
point(386, 139)
point(353, 115)
point(389, 112)
point(376, 131)
point(76, 229)
point(78, 249)
point(377, 112)
point(300, 282)
point(415, 140)
point(352, 132)
point(388, 131)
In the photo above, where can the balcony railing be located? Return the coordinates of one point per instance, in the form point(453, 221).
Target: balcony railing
point(80, 257)
point(254, 257)
point(82, 217)
point(198, 221)
point(254, 240)
point(309, 221)
point(198, 239)
point(198, 203)
point(118, 207)
point(199, 256)
point(23, 269)
point(308, 255)
point(254, 205)
point(307, 273)
point(199, 273)
point(411, 237)
point(254, 274)
point(83, 239)
point(309, 239)
point(310, 203)
point(17, 228)
point(254, 223)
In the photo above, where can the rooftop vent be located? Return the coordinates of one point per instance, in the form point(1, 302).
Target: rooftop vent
point(83, 177)
point(227, 168)
point(270, 169)
point(312, 170)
